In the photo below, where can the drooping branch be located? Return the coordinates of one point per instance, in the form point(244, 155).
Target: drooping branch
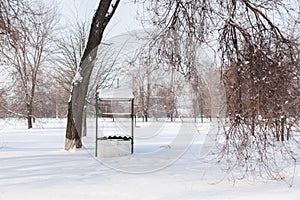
point(259, 61)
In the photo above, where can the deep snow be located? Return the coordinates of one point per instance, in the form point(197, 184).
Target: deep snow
point(35, 166)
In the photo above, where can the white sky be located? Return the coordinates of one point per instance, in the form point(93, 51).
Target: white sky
point(124, 20)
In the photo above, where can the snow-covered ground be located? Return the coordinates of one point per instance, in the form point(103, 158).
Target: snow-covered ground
point(166, 165)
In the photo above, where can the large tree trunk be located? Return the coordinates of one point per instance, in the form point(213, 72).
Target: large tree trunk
point(29, 121)
point(29, 114)
point(80, 87)
point(72, 136)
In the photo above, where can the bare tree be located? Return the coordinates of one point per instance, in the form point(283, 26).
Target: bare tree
point(201, 101)
point(143, 81)
point(67, 60)
point(3, 103)
point(12, 13)
point(261, 76)
point(70, 51)
point(260, 65)
point(25, 51)
point(155, 86)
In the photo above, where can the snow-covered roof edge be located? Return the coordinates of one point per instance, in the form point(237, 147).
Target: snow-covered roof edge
point(116, 94)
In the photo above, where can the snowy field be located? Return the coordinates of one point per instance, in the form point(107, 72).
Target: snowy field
point(166, 165)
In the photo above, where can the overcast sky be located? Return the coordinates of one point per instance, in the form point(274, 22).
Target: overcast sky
point(124, 20)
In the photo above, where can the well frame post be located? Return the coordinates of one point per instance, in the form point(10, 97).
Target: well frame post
point(97, 114)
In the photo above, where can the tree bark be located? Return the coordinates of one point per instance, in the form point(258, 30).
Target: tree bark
point(72, 136)
point(84, 129)
point(29, 121)
point(79, 90)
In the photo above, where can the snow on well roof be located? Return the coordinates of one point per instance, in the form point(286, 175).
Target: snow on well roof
point(116, 94)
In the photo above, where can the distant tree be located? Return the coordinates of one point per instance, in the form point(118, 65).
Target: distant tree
point(167, 97)
point(3, 103)
point(26, 49)
point(201, 100)
point(12, 13)
point(143, 81)
point(70, 51)
point(155, 87)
